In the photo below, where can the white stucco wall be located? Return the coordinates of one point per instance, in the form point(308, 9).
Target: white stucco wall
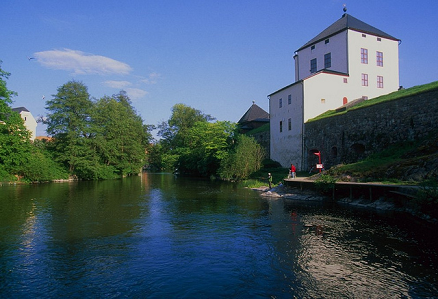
point(337, 46)
point(324, 92)
point(286, 146)
point(30, 123)
point(389, 71)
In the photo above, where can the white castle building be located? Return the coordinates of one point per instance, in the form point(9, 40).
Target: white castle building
point(29, 121)
point(348, 60)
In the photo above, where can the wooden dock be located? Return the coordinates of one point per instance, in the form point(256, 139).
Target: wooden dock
point(351, 190)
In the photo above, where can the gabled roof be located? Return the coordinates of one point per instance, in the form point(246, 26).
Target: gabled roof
point(20, 109)
point(344, 23)
point(254, 113)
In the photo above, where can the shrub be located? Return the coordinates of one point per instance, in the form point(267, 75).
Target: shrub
point(426, 199)
point(325, 184)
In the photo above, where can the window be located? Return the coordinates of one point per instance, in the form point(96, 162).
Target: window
point(281, 126)
point(364, 55)
point(289, 99)
point(364, 35)
point(322, 101)
point(345, 80)
point(364, 79)
point(327, 41)
point(280, 103)
point(379, 81)
point(289, 124)
point(379, 58)
point(328, 60)
point(312, 47)
point(379, 39)
point(313, 65)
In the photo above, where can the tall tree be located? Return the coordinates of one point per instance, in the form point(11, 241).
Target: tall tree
point(69, 123)
point(207, 144)
point(122, 137)
point(174, 131)
point(14, 138)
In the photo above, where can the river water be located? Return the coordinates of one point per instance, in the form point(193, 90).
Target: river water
point(158, 236)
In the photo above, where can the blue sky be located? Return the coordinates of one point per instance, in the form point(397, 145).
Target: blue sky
point(215, 56)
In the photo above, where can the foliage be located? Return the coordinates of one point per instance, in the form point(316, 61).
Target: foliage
point(41, 166)
point(263, 128)
point(244, 159)
point(96, 140)
point(14, 138)
point(269, 163)
point(69, 123)
point(191, 143)
point(251, 183)
point(426, 199)
point(325, 183)
point(174, 131)
point(5, 94)
point(120, 138)
point(206, 146)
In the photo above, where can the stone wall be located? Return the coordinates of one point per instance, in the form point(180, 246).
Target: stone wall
point(357, 133)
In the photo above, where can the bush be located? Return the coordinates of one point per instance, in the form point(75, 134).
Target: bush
point(268, 163)
point(426, 199)
point(325, 184)
point(40, 167)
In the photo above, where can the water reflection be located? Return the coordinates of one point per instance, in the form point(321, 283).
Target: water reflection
point(159, 236)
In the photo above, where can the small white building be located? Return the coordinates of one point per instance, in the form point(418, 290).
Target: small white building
point(29, 121)
point(348, 60)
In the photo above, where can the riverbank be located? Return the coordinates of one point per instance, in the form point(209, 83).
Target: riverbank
point(396, 203)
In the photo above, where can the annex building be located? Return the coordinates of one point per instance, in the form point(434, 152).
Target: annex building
point(349, 60)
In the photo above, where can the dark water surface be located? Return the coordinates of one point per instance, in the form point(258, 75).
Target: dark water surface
point(158, 236)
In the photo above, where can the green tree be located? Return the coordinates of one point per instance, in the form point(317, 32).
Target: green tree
point(174, 131)
point(174, 147)
point(206, 145)
point(14, 138)
point(121, 137)
point(69, 123)
point(244, 159)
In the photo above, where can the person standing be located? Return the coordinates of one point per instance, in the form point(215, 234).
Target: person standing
point(270, 180)
point(293, 170)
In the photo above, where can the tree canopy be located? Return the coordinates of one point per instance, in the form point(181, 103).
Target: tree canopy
point(96, 139)
point(15, 146)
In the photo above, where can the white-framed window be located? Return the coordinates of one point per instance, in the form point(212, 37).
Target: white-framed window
point(280, 103)
point(313, 65)
point(379, 58)
point(328, 60)
point(364, 79)
point(289, 99)
point(379, 81)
